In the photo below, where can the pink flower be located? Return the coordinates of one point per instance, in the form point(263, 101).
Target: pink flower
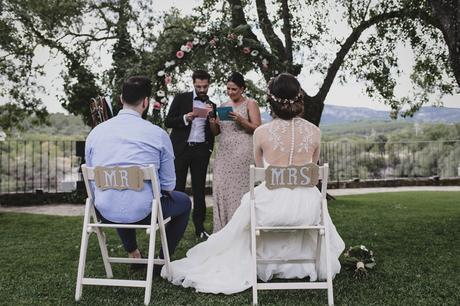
point(168, 79)
point(265, 66)
point(212, 42)
point(180, 54)
point(157, 105)
point(189, 44)
point(246, 50)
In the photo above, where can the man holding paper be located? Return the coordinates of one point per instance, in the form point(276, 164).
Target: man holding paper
point(193, 142)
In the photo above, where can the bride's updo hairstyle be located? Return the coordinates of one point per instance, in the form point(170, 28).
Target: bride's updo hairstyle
point(285, 96)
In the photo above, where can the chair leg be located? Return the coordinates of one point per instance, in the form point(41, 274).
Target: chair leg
point(253, 256)
point(330, 293)
point(104, 252)
point(83, 250)
point(151, 256)
point(164, 242)
point(101, 238)
point(319, 238)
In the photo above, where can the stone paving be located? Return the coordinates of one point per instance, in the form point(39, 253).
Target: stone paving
point(78, 210)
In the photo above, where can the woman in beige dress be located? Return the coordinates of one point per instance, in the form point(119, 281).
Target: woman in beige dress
point(234, 152)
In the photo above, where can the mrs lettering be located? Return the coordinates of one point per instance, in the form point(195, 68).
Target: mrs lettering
point(292, 176)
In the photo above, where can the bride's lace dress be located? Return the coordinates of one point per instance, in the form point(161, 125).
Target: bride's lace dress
point(222, 263)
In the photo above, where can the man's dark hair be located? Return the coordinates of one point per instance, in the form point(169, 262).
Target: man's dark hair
point(135, 89)
point(201, 75)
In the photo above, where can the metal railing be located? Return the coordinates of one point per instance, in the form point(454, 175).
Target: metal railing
point(30, 165)
point(391, 160)
point(53, 166)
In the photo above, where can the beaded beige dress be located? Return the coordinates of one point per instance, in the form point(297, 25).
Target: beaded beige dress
point(231, 167)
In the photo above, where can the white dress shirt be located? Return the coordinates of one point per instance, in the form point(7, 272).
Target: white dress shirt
point(198, 124)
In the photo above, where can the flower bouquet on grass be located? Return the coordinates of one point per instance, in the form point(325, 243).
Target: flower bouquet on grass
point(359, 259)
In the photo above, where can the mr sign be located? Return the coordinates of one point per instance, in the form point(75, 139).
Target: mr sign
point(292, 176)
point(119, 178)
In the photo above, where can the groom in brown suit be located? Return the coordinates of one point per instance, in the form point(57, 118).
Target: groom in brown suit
point(193, 143)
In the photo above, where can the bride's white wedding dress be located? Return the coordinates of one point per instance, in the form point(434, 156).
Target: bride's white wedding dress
point(222, 264)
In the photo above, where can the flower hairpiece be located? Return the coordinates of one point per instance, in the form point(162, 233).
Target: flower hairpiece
point(283, 100)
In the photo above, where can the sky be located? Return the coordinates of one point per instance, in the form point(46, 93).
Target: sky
point(350, 94)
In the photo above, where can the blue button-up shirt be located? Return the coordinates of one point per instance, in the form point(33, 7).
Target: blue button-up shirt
point(125, 140)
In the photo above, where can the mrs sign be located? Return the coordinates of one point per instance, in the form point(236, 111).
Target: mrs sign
point(292, 176)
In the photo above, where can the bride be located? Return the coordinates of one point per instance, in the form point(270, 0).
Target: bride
point(222, 264)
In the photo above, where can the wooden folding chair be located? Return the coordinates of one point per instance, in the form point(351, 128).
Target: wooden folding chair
point(128, 178)
point(279, 177)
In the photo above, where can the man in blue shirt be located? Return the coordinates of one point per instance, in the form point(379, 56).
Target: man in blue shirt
point(127, 139)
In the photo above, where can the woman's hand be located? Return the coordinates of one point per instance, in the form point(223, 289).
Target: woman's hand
point(214, 124)
point(236, 118)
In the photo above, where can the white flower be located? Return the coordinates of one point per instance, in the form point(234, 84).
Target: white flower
point(264, 61)
point(360, 265)
point(161, 73)
point(240, 40)
point(160, 93)
point(185, 48)
point(196, 41)
point(254, 52)
point(163, 100)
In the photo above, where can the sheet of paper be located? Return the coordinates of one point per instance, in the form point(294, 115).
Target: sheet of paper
point(201, 112)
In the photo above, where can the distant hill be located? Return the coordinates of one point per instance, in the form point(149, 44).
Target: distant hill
point(333, 114)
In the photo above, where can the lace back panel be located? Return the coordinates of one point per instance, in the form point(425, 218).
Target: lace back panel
point(287, 142)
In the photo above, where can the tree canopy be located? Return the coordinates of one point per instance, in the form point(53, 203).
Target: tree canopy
point(330, 41)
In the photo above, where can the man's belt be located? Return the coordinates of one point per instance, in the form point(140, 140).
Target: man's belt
point(193, 144)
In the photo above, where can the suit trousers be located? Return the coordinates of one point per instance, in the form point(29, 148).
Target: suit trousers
point(175, 205)
point(196, 158)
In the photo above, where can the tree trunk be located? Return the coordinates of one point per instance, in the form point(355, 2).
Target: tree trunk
point(447, 12)
point(313, 109)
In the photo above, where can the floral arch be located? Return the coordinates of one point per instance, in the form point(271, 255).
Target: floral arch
point(231, 51)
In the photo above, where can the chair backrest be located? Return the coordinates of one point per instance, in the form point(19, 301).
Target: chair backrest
point(120, 178)
point(290, 177)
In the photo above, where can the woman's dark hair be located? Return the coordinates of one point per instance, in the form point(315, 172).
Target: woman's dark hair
point(238, 79)
point(135, 89)
point(285, 96)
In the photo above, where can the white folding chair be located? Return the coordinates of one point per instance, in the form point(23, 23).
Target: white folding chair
point(262, 174)
point(128, 178)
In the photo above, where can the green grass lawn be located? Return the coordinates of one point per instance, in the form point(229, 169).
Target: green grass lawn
point(415, 237)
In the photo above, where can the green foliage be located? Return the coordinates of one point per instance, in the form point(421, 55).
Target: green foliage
point(391, 149)
point(13, 116)
point(142, 42)
point(58, 127)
